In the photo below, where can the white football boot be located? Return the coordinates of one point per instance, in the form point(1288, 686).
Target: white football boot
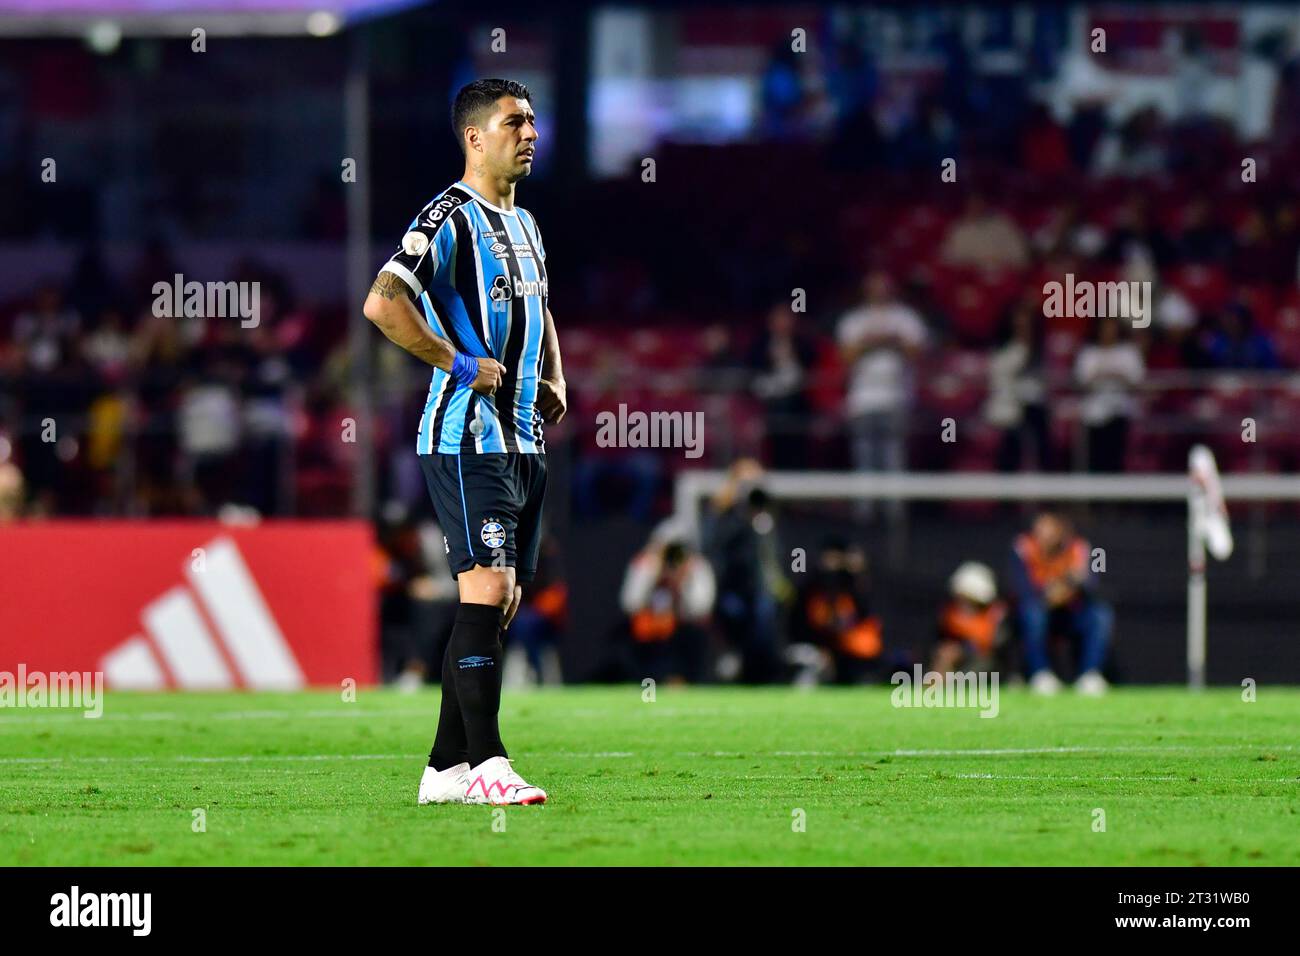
point(1045, 682)
point(495, 781)
point(1091, 684)
point(444, 786)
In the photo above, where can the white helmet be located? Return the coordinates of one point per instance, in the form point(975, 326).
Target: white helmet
point(975, 582)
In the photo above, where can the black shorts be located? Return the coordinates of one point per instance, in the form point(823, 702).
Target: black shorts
point(490, 508)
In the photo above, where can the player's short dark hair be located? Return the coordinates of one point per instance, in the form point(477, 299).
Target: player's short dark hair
point(478, 100)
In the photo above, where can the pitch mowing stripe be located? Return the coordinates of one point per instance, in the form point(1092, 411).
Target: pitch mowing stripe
point(1016, 751)
point(183, 758)
point(1110, 778)
point(1129, 778)
point(70, 713)
point(990, 752)
point(1005, 752)
point(249, 758)
point(1054, 777)
point(7, 714)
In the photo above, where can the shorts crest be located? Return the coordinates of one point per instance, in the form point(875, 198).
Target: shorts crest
point(493, 535)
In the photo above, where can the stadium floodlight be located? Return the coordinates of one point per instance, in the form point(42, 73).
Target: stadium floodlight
point(164, 18)
point(1202, 490)
point(1207, 530)
point(104, 36)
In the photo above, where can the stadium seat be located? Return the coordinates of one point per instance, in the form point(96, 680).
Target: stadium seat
point(1206, 287)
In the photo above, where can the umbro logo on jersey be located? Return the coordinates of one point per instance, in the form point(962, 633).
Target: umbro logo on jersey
point(198, 632)
point(475, 660)
point(499, 249)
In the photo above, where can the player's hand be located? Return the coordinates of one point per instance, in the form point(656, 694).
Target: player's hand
point(490, 375)
point(552, 399)
point(1058, 593)
point(513, 608)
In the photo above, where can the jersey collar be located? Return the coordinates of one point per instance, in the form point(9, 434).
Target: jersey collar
point(479, 196)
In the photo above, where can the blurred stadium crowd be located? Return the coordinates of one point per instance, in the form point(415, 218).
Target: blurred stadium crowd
point(816, 287)
point(948, 322)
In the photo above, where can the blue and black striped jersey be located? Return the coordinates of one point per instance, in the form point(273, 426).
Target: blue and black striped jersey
point(480, 274)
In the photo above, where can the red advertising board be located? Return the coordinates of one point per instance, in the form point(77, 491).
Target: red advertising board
point(191, 604)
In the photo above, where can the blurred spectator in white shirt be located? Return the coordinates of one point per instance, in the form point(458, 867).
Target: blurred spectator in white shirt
point(879, 341)
point(1109, 369)
point(1017, 399)
point(984, 237)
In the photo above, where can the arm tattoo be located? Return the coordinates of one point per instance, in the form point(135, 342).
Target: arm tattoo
point(390, 286)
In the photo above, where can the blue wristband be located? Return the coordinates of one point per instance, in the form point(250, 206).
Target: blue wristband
point(464, 369)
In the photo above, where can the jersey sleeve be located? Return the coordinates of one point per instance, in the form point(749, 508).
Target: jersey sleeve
point(423, 258)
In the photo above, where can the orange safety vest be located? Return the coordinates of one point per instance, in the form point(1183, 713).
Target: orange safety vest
point(650, 626)
point(379, 561)
point(966, 623)
point(1043, 568)
point(552, 601)
point(860, 640)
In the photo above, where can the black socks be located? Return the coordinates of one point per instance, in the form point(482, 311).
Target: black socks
point(471, 684)
point(450, 746)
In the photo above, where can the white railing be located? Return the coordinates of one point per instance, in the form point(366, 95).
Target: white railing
point(693, 486)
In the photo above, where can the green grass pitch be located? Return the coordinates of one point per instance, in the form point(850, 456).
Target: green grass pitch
point(698, 776)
